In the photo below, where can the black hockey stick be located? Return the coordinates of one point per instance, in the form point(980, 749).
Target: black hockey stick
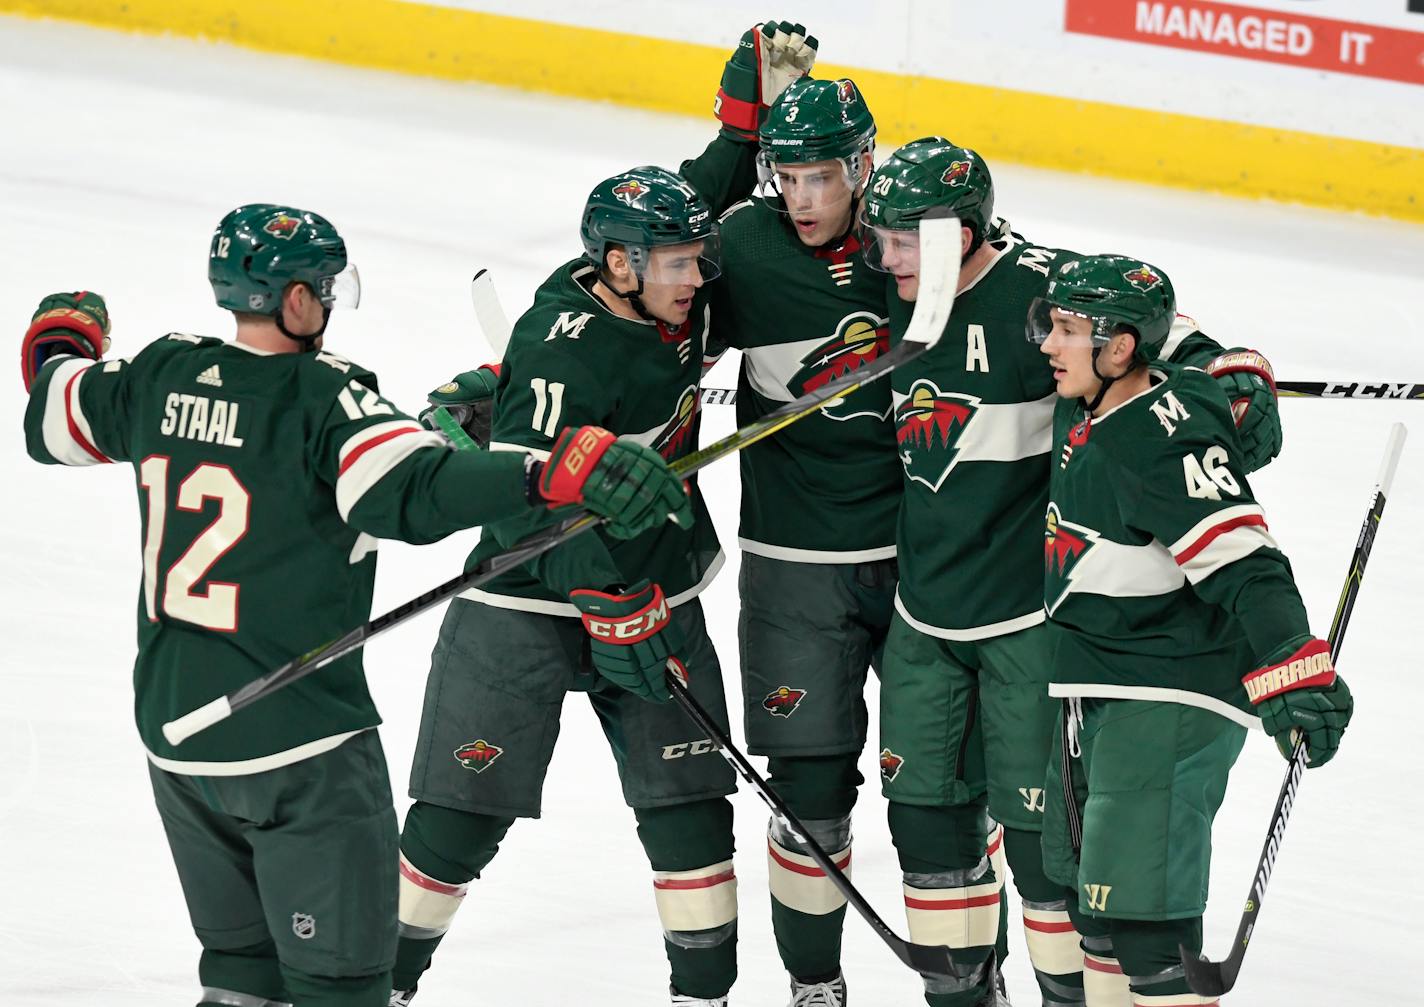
point(936, 961)
point(1287, 389)
point(1213, 979)
point(939, 254)
point(1350, 389)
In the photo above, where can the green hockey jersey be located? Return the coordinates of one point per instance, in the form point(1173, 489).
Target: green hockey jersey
point(827, 488)
point(1161, 579)
point(973, 421)
point(262, 479)
point(570, 362)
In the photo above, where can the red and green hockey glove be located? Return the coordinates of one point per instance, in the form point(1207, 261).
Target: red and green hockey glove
point(76, 323)
point(1298, 692)
point(768, 58)
point(1249, 382)
point(468, 399)
point(634, 643)
point(621, 480)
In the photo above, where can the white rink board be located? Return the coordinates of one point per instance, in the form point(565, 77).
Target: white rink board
point(1020, 45)
point(112, 174)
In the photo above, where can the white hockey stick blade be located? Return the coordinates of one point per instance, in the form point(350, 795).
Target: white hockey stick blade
point(940, 245)
point(489, 313)
point(1392, 450)
point(205, 716)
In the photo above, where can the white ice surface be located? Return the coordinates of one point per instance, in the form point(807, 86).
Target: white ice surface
point(118, 156)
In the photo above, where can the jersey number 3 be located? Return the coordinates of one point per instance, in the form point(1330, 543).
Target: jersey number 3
point(217, 608)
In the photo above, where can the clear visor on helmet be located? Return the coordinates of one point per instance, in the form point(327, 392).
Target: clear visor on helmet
point(890, 249)
point(342, 290)
point(806, 188)
point(1068, 326)
point(688, 263)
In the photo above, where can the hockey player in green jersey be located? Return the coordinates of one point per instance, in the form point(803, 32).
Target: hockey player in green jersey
point(965, 716)
point(819, 499)
point(267, 467)
point(617, 334)
point(1173, 615)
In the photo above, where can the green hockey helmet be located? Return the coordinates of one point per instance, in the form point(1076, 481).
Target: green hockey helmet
point(1113, 293)
point(259, 249)
point(646, 212)
point(926, 174)
point(813, 121)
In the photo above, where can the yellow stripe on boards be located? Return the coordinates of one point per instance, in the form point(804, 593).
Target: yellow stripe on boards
point(1184, 151)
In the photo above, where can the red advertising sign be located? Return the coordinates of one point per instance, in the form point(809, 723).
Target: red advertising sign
point(1254, 33)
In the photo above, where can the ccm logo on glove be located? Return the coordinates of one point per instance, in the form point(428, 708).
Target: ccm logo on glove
point(631, 628)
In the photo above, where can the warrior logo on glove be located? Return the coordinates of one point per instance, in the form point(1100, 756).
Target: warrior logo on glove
point(478, 755)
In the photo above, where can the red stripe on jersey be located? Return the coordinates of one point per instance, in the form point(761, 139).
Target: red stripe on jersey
point(1211, 1003)
point(795, 868)
point(361, 449)
point(1112, 968)
point(1210, 535)
point(972, 903)
point(1048, 928)
point(684, 884)
point(429, 883)
point(74, 430)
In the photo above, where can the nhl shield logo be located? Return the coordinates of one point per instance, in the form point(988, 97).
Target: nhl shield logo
point(860, 338)
point(783, 701)
point(929, 424)
point(1064, 546)
point(304, 926)
point(478, 755)
point(890, 765)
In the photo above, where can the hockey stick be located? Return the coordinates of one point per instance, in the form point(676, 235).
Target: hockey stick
point(1350, 390)
point(939, 254)
point(936, 961)
point(1286, 389)
point(489, 314)
point(1213, 979)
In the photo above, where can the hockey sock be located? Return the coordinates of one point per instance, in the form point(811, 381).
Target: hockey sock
point(690, 849)
point(951, 893)
point(229, 975)
point(998, 860)
point(308, 990)
point(1053, 941)
point(1148, 951)
point(807, 911)
point(442, 851)
point(1104, 984)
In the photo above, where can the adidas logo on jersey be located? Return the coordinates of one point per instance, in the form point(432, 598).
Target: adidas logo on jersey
point(211, 376)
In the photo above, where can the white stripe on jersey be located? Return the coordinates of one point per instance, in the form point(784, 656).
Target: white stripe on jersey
point(372, 452)
point(62, 407)
point(1182, 327)
point(1221, 539)
point(1117, 570)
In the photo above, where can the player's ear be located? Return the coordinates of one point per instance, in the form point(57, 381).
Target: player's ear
point(616, 262)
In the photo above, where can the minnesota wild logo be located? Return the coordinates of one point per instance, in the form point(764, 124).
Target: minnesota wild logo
point(928, 426)
point(861, 337)
point(478, 755)
point(676, 436)
point(1143, 278)
point(1064, 546)
point(282, 226)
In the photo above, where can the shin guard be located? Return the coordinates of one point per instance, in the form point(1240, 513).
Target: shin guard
point(1104, 984)
point(807, 910)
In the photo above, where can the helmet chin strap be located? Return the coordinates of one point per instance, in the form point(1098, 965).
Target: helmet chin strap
point(1105, 381)
point(634, 297)
point(308, 343)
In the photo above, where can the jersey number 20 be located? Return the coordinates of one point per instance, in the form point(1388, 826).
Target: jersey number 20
point(217, 608)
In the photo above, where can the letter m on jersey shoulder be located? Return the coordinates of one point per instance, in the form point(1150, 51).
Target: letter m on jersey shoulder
point(569, 325)
point(1169, 412)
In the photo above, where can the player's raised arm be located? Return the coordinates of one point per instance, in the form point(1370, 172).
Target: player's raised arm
point(1247, 379)
point(76, 413)
point(767, 59)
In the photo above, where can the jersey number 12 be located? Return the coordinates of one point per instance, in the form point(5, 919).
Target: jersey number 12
point(217, 607)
